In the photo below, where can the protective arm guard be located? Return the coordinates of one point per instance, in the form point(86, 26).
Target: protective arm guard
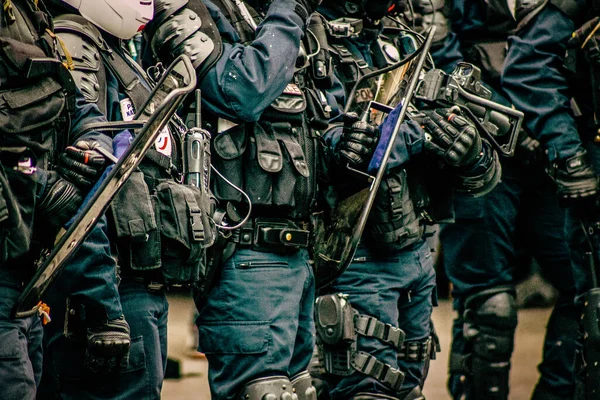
point(83, 42)
point(183, 27)
point(482, 177)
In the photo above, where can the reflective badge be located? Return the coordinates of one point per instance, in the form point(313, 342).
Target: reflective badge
point(163, 143)
point(127, 110)
point(293, 89)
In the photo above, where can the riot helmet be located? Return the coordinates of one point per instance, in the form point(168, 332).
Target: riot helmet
point(121, 18)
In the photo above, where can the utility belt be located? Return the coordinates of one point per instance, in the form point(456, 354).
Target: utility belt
point(272, 235)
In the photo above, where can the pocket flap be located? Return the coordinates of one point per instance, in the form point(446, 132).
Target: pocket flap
point(231, 143)
point(31, 107)
point(234, 337)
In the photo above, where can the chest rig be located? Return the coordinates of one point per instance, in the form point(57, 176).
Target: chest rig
point(159, 227)
point(36, 90)
point(275, 161)
point(395, 220)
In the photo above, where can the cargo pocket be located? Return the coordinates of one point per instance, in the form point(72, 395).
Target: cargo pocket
point(185, 231)
point(135, 225)
point(28, 114)
point(234, 337)
point(228, 148)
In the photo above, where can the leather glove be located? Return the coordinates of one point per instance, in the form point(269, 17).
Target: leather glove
point(576, 180)
point(82, 164)
point(107, 347)
point(452, 137)
point(58, 203)
point(358, 140)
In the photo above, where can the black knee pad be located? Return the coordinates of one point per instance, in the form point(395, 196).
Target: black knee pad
point(490, 320)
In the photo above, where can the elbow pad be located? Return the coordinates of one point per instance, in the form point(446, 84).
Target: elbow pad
point(184, 27)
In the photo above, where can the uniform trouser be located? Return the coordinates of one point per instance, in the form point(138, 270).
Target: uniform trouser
point(146, 312)
point(20, 345)
point(479, 254)
point(258, 320)
point(398, 289)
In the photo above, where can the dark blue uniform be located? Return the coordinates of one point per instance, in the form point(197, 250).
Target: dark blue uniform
point(479, 249)
point(258, 319)
point(21, 339)
point(145, 309)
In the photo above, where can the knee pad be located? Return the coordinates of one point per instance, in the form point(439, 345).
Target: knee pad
point(490, 320)
point(303, 387)
point(269, 388)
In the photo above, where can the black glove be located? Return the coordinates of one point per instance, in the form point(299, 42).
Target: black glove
point(58, 203)
point(528, 151)
point(107, 347)
point(309, 6)
point(358, 140)
point(82, 164)
point(452, 137)
point(576, 180)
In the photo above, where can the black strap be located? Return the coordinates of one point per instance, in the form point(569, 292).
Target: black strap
point(416, 350)
point(126, 76)
point(384, 373)
point(372, 327)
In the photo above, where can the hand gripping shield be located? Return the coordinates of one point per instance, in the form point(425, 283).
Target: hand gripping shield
point(167, 96)
point(336, 243)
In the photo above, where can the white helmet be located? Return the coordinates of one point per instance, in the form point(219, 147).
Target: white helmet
point(121, 18)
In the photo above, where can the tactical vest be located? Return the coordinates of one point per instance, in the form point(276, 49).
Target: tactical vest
point(395, 219)
point(160, 227)
point(276, 160)
point(35, 96)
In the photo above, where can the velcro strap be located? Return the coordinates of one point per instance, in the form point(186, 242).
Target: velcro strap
point(370, 326)
point(384, 373)
point(416, 351)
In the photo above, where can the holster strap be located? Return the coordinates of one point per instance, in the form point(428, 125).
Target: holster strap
point(370, 326)
point(384, 373)
point(416, 350)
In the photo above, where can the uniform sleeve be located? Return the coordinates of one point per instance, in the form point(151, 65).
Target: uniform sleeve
point(87, 113)
point(247, 78)
point(533, 80)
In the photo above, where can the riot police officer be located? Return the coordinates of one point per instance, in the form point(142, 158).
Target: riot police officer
point(388, 292)
point(39, 193)
point(522, 60)
point(157, 240)
point(255, 325)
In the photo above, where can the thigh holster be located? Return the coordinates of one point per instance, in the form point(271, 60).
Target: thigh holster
point(338, 325)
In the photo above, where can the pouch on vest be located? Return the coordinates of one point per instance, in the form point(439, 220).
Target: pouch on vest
point(134, 221)
point(28, 116)
point(186, 230)
point(17, 200)
point(227, 148)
